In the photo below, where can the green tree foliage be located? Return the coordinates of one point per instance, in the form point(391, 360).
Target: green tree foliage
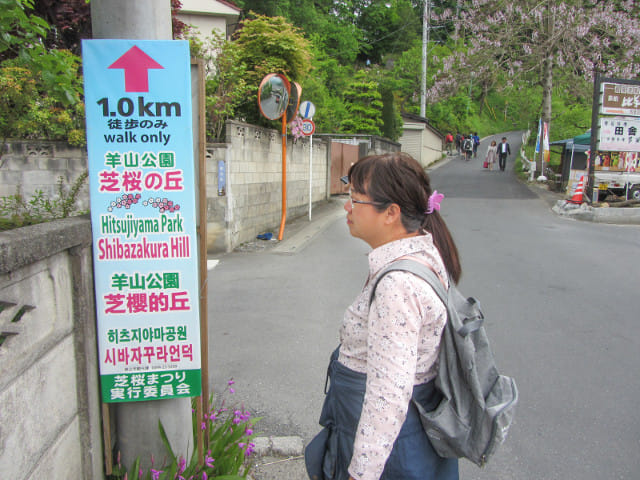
point(391, 118)
point(28, 112)
point(269, 45)
point(388, 27)
point(364, 105)
point(22, 42)
point(225, 84)
point(41, 89)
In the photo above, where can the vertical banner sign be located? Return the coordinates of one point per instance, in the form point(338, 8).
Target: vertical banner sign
point(539, 135)
point(546, 152)
point(143, 216)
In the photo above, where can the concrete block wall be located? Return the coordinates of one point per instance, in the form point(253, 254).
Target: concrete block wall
point(50, 421)
point(37, 165)
point(252, 201)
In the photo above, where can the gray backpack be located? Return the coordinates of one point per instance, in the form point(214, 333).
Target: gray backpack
point(478, 404)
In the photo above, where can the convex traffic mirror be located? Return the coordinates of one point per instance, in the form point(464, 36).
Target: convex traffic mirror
point(273, 95)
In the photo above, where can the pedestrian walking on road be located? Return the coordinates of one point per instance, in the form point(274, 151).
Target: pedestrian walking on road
point(503, 151)
point(467, 147)
point(492, 155)
point(476, 143)
point(458, 142)
point(388, 348)
point(448, 140)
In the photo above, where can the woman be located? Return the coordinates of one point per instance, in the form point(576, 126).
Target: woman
point(388, 349)
point(492, 154)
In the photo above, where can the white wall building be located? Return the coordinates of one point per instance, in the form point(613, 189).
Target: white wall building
point(421, 140)
point(206, 15)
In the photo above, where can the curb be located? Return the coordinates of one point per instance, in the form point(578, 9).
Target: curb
point(298, 241)
point(292, 446)
point(585, 212)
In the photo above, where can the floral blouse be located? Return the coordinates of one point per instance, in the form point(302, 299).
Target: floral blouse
point(395, 343)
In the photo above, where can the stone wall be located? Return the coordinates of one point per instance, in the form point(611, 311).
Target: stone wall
point(50, 421)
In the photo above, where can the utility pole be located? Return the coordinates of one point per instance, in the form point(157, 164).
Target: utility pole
point(426, 15)
point(137, 422)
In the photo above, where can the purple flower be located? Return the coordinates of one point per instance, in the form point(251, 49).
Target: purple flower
point(204, 476)
point(248, 432)
point(203, 425)
point(208, 460)
point(182, 464)
point(250, 449)
point(155, 474)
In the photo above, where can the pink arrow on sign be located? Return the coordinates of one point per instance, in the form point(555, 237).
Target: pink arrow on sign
point(135, 64)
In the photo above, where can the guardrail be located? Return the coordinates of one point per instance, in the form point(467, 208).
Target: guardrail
point(527, 164)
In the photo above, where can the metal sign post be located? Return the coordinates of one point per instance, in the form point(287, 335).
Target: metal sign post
point(307, 110)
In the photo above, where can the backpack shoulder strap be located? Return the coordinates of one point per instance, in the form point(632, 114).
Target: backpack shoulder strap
point(418, 269)
point(471, 317)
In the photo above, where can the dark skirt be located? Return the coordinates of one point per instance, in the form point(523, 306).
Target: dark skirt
point(328, 456)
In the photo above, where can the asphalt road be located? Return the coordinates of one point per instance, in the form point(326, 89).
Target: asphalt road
point(560, 298)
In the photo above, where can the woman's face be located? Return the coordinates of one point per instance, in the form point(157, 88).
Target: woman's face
point(364, 220)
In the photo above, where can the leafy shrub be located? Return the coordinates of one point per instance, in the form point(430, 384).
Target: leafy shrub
point(27, 112)
point(16, 211)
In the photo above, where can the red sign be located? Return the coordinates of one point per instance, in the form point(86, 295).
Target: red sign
point(308, 127)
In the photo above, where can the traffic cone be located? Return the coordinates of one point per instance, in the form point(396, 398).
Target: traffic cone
point(577, 194)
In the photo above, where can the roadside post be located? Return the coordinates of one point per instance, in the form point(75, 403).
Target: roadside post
point(307, 111)
point(279, 99)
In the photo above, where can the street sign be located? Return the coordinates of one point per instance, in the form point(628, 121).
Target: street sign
point(143, 217)
point(307, 109)
point(308, 127)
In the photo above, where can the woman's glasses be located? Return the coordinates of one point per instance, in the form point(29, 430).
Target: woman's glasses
point(345, 180)
point(362, 202)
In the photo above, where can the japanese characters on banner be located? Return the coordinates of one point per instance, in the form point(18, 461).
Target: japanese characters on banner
point(143, 215)
point(619, 134)
point(620, 99)
point(619, 128)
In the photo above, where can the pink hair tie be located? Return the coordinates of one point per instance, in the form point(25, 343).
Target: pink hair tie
point(434, 202)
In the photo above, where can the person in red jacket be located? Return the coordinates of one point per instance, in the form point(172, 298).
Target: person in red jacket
point(448, 140)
